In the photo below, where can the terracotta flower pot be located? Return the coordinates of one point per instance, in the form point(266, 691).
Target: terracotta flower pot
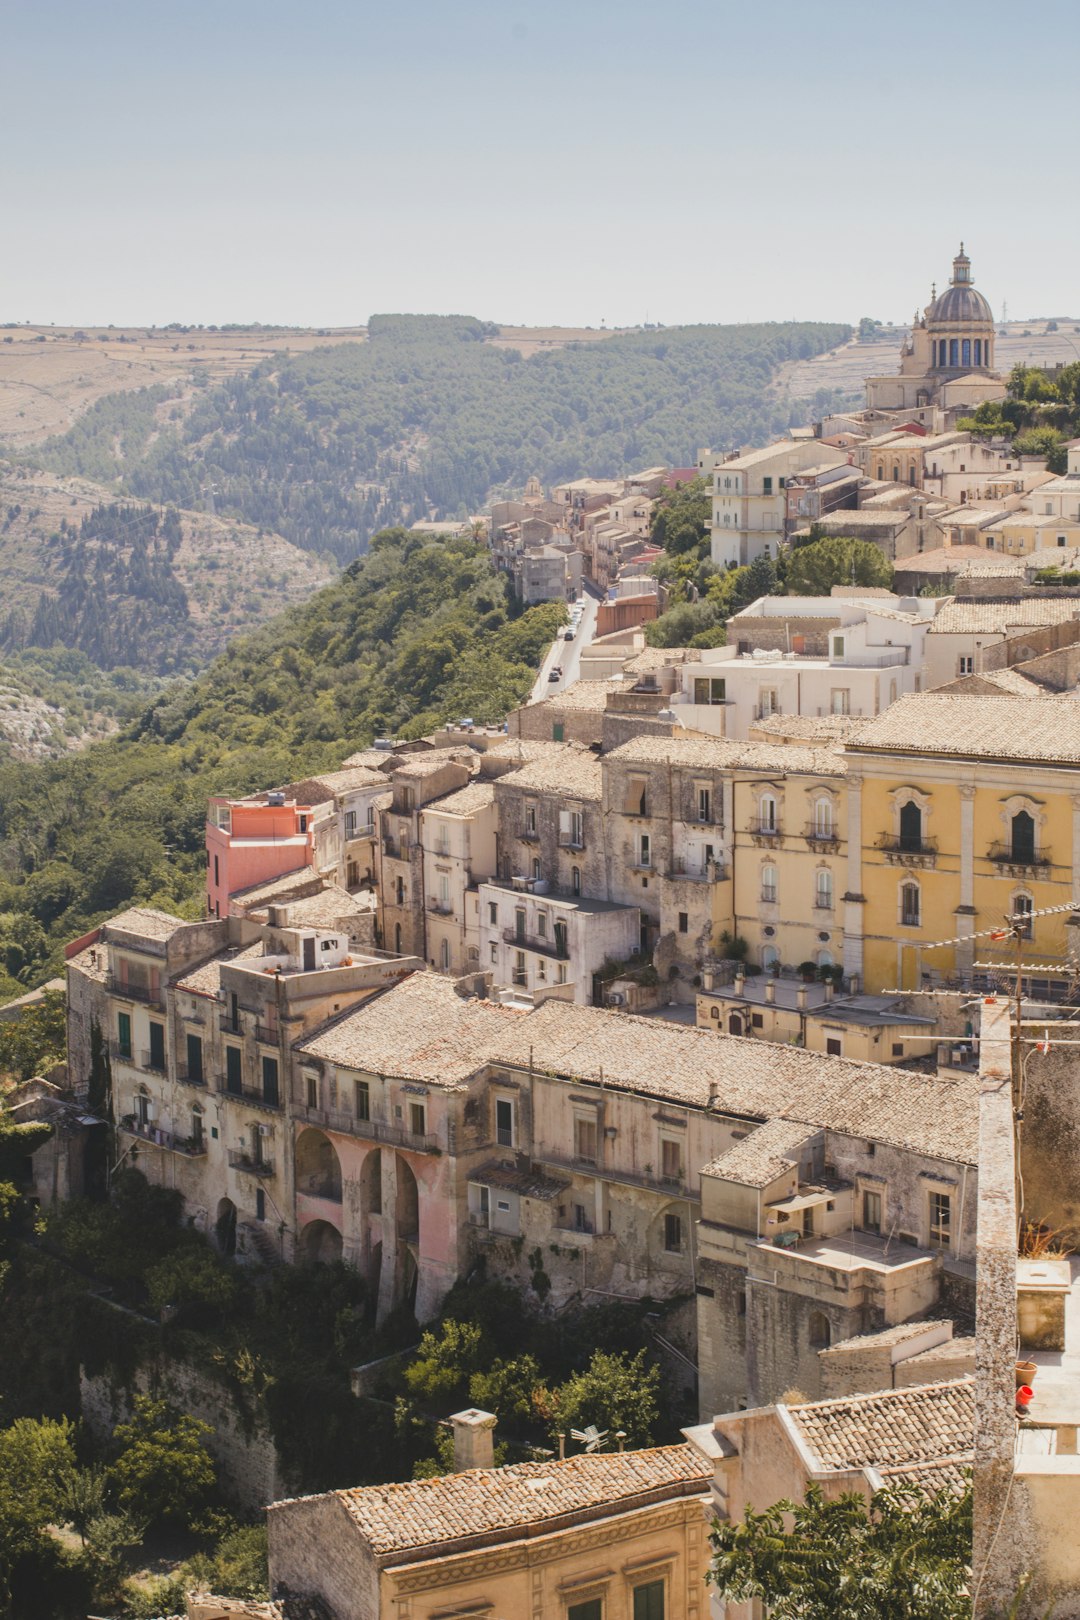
point(1025, 1373)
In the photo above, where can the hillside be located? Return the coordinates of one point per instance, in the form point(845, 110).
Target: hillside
point(428, 417)
point(417, 632)
point(163, 592)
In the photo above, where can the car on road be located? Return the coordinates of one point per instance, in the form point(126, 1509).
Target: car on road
point(555, 674)
point(568, 635)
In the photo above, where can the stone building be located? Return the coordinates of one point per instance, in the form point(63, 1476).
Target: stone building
point(609, 1536)
point(399, 865)
point(947, 360)
point(919, 1436)
point(458, 839)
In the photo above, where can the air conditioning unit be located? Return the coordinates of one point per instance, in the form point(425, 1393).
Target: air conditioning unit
point(615, 999)
point(263, 1130)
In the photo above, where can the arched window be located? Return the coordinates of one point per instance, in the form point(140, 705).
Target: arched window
point(978, 351)
point(768, 884)
point(1022, 837)
point(820, 1331)
point(1022, 908)
point(767, 809)
point(824, 959)
point(880, 472)
point(142, 1106)
point(823, 893)
point(770, 957)
point(954, 352)
point(823, 818)
point(896, 472)
point(537, 869)
point(911, 827)
point(910, 908)
point(965, 352)
point(575, 880)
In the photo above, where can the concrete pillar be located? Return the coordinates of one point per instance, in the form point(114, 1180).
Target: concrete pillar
point(391, 1238)
point(474, 1439)
point(853, 897)
point(965, 911)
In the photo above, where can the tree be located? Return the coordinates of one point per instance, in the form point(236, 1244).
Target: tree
point(163, 1469)
point(903, 1556)
point(507, 1388)
point(615, 1391)
point(813, 570)
point(444, 1361)
point(35, 1459)
point(35, 1039)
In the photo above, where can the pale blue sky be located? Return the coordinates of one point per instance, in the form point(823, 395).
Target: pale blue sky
point(569, 163)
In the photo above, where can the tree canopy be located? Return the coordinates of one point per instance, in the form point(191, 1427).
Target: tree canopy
point(903, 1556)
point(813, 570)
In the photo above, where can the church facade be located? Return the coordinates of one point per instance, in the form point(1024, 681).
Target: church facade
point(948, 359)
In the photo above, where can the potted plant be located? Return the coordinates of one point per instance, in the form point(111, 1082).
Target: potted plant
point(808, 971)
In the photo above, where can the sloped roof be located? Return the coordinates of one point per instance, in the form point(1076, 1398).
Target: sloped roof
point(896, 1429)
point(1045, 729)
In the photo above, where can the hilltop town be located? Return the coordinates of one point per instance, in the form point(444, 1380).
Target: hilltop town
point(709, 985)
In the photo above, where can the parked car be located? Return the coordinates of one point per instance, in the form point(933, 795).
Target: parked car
point(555, 674)
point(568, 635)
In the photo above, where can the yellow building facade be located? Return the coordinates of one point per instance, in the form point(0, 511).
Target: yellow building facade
point(968, 813)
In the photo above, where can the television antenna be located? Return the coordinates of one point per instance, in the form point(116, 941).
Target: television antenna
point(591, 1438)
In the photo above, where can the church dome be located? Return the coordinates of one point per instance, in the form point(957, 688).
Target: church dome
point(960, 304)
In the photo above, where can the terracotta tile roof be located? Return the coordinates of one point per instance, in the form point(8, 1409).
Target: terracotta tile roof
point(350, 778)
point(574, 772)
point(399, 1518)
point(725, 754)
point(526, 1183)
point(957, 560)
point(205, 980)
point(902, 1429)
point(818, 727)
point(376, 759)
point(887, 1337)
point(328, 908)
point(466, 801)
point(764, 1155)
point(583, 695)
point(301, 880)
point(435, 759)
point(419, 1030)
point(964, 618)
point(141, 920)
point(759, 1079)
point(950, 1475)
point(1043, 730)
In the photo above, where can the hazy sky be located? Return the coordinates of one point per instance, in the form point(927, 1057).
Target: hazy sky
point(571, 162)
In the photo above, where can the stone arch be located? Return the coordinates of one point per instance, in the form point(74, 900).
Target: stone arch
point(225, 1226)
point(320, 1243)
point(318, 1168)
point(820, 1331)
point(407, 1211)
point(371, 1183)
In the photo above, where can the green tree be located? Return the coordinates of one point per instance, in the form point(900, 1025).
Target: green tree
point(905, 1556)
point(445, 1361)
point(615, 1391)
point(35, 1039)
point(35, 1459)
point(1047, 442)
point(813, 570)
point(507, 1388)
point(162, 1469)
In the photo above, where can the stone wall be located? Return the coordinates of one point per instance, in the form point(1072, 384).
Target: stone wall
point(247, 1461)
point(315, 1549)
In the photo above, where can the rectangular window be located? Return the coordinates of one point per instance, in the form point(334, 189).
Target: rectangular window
point(123, 1034)
point(260, 1204)
point(270, 1079)
point(311, 1090)
point(504, 1122)
point(940, 1220)
point(234, 1070)
point(871, 1212)
point(558, 731)
point(967, 664)
point(684, 922)
point(671, 1166)
point(592, 1610)
point(493, 913)
point(194, 1058)
point(157, 1046)
point(708, 689)
point(637, 796)
point(832, 1046)
point(362, 1100)
point(577, 828)
point(673, 1245)
point(840, 700)
point(766, 489)
point(417, 1119)
point(704, 804)
point(585, 1140)
point(217, 872)
point(350, 823)
point(644, 850)
point(530, 820)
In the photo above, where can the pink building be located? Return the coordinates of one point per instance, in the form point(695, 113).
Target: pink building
point(251, 840)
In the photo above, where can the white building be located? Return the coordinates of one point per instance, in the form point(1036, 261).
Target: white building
point(749, 500)
point(458, 835)
point(537, 943)
point(861, 658)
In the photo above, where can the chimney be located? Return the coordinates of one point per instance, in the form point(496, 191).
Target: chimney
point(829, 987)
point(800, 998)
point(474, 1440)
point(770, 990)
point(740, 981)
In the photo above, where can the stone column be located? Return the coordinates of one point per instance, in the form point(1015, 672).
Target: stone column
point(965, 911)
point(391, 1238)
point(854, 900)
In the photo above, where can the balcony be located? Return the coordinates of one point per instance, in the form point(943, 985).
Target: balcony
point(688, 872)
point(250, 1094)
point(268, 1036)
point(373, 1130)
point(649, 1181)
point(231, 1025)
point(121, 1054)
point(395, 851)
point(568, 841)
point(901, 851)
point(142, 993)
point(764, 831)
point(153, 1062)
point(1018, 860)
point(441, 908)
point(241, 1159)
point(819, 837)
point(560, 952)
point(193, 1147)
point(188, 1078)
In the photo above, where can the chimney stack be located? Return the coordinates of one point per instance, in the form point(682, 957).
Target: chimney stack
point(474, 1440)
point(770, 990)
